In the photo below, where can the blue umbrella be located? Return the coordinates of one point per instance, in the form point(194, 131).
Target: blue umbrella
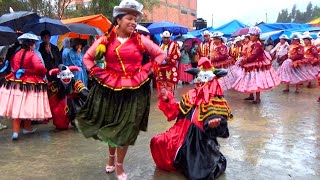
point(7, 36)
point(16, 20)
point(84, 29)
point(184, 37)
point(160, 27)
point(55, 27)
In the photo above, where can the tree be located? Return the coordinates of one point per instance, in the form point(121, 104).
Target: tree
point(283, 16)
point(316, 12)
point(15, 4)
point(293, 13)
point(298, 16)
point(61, 6)
point(35, 5)
point(309, 10)
point(104, 7)
point(46, 9)
point(81, 11)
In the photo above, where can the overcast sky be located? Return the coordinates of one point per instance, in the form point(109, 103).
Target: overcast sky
point(247, 11)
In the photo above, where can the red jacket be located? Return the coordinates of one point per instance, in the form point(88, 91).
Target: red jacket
point(311, 54)
point(255, 52)
point(204, 49)
point(124, 69)
point(34, 69)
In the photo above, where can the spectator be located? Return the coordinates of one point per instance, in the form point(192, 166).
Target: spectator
point(74, 58)
point(50, 53)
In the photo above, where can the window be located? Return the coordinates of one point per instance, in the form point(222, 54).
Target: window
point(183, 11)
point(72, 7)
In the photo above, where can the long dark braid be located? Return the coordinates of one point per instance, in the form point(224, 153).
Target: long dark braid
point(26, 46)
point(114, 22)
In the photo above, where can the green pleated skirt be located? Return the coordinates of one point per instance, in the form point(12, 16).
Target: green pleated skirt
point(115, 117)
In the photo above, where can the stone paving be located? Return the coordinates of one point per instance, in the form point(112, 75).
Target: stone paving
point(277, 139)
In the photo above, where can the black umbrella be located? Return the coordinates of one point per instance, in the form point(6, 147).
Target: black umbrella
point(84, 29)
point(55, 27)
point(16, 20)
point(7, 36)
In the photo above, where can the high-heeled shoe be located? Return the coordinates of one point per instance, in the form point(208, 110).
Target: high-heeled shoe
point(109, 168)
point(123, 175)
point(15, 136)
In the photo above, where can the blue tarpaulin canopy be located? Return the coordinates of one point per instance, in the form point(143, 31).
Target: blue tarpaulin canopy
point(268, 27)
point(230, 27)
point(288, 32)
point(198, 33)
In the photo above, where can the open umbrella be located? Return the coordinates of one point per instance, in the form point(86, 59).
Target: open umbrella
point(16, 20)
point(55, 27)
point(99, 21)
point(160, 27)
point(7, 36)
point(142, 29)
point(188, 39)
point(84, 29)
point(184, 37)
point(240, 32)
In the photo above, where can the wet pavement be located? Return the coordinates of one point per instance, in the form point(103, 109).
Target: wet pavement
point(279, 139)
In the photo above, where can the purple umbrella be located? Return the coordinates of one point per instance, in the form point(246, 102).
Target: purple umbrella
point(240, 32)
point(189, 42)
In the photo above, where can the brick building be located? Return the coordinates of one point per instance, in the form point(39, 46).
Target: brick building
point(182, 12)
point(74, 3)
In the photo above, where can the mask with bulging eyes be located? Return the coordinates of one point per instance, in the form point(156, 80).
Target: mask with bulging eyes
point(206, 72)
point(205, 76)
point(65, 76)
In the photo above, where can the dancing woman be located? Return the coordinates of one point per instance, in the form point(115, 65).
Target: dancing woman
point(295, 69)
point(23, 94)
point(257, 74)
point(118, 104)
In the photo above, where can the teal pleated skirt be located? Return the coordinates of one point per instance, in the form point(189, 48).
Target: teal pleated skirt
point(115, 117)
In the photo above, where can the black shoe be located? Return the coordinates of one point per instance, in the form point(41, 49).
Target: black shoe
point(256, 101)
point(286, 90)
point(250, 98)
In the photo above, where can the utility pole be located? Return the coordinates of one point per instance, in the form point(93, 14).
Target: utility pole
point(212, 20)
point(266, 17)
